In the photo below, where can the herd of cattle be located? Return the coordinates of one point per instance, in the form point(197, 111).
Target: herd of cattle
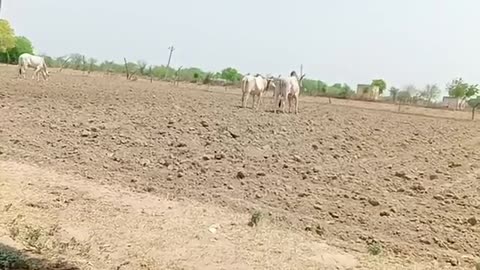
point(285, 89)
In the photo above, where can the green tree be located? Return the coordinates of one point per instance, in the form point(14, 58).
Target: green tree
point(404, 96)
point(142, 65)
point(382, 85)
point(472, 91)
point(337, 85)
point(341, 91)
point(346, 88)
point(208, 78)
point(473, 101)
point(394, 93)
point(188, 74)
point(231, 75)
point(22, 45)
point(411, 89)
point(460, 89)
point(76, 61)
point(430, 92)
point(7, 38)
point(92, 64)
point(457, 88)
point(407, 94)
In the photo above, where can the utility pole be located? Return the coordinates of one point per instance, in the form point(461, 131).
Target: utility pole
point(0, 6)
point(171, 48)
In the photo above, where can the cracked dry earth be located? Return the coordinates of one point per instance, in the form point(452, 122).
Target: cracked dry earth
point(331, 182)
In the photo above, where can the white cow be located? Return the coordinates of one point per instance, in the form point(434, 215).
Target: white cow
point(254, 86)
point(287, 89)
point(27, 60)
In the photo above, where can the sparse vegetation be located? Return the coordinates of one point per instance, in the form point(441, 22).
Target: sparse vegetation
point(375, 248)
point(33, 238)
point(13, 231)
point(462, 90)
point(255, 219)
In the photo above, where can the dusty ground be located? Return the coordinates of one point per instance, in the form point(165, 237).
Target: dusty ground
point(138, 172)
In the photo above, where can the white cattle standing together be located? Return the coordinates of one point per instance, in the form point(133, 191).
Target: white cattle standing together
point(27, 60)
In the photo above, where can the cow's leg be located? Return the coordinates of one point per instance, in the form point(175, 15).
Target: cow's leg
point(259, 102)
point(290, 103)
point(21, 73)
point(275, 103)
point(285, 100)
point(296, 104)
point(247, 95)
point(244, 99)
point(253, 101)
point(37, 72)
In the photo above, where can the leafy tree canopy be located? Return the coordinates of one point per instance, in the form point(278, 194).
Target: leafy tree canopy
point(22, 45)
point(231, 74)
point(460, 89)
point(7, 36)
point(382, 85)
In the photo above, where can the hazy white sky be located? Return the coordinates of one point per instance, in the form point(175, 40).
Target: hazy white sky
point(352, 41)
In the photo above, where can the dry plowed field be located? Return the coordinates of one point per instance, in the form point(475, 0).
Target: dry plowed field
point(149, 176)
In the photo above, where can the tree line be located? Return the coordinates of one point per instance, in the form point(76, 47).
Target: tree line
point(12, 46)
point(457, 88)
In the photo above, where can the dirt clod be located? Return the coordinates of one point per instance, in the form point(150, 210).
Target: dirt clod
point(219, 156)
point(384, 214)
point(85, 133)
point(297, 159)
point(453, 261)
point(373, 202)
point(333, 215)
point(472, 221)
point(241, 175)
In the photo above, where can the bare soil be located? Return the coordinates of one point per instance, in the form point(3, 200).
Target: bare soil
point(143, 172)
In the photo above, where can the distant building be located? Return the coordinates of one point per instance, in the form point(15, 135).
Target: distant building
point(367, 91)
point(453, 103)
